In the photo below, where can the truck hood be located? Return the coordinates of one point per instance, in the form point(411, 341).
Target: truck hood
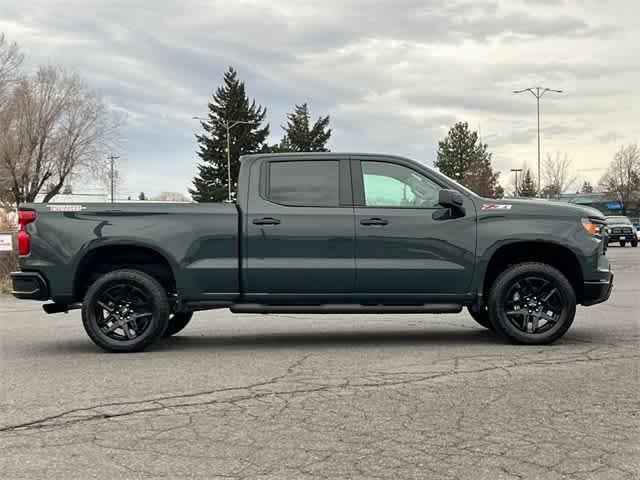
point(540, 206)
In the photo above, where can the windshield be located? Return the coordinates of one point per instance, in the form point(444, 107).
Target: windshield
point(618, 219)
point(460, 186)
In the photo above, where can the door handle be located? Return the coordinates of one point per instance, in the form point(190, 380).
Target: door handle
point(266, 221)
point(374, 221)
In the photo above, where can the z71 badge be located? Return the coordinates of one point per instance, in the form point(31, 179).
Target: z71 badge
point(496, 206)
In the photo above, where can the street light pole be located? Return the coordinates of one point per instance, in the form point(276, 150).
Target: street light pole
point(111, 159)
point(516, 170)
point(538, 92)
point(228, 124)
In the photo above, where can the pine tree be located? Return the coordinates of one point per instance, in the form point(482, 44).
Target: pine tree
point(527, 185)
point(230, 104)
point(142, 196)
point(586, 187)
point(300, 137)
point(481, 178)
point(462, 157)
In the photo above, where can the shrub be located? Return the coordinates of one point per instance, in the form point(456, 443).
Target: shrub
point(8, 260)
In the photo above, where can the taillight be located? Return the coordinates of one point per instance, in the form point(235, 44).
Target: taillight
point(24, 242)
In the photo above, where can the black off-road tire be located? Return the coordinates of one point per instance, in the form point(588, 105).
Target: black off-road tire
point(177, 322)
point(510, 279)
point(481, 316)
point(148, 304)
point(623, 243)
point(634, 244)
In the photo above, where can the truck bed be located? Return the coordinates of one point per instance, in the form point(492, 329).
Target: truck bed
point(199, 241)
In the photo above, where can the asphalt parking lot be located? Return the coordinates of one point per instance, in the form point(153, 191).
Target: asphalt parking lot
point(300, 396)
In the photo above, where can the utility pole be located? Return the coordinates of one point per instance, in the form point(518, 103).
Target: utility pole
point(538, 92)
point(516, 170)
point(228, 125)
point(112, 158)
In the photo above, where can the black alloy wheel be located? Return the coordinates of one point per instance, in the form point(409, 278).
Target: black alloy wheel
point(125, 311)
point(532, 303)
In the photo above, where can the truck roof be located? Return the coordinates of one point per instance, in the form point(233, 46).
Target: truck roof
point(320, 155)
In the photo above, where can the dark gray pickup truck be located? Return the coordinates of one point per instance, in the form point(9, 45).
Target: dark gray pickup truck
point(316, 233)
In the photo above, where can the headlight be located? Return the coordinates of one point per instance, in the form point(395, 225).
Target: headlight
point(594, 229)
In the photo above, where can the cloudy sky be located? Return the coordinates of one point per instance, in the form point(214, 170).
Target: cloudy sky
point(393, 74)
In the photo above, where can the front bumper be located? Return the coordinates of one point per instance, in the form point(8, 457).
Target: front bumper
point(597, 292)
point(29, 286)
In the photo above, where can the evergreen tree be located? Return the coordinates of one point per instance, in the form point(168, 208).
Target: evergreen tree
point(300, 137)
point(230, 105)
point(142, 196)
point(527, 185)
point(586, 187)
point(481, 178)
point(462, 157)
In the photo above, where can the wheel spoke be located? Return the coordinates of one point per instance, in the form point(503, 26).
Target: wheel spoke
point(534, 322)
point(105, 306)
point(112, 328)
point(549, 295)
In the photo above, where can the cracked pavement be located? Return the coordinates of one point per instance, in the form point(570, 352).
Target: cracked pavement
point(316, 397)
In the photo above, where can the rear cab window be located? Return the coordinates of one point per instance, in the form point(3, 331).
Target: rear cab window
point(304, 183)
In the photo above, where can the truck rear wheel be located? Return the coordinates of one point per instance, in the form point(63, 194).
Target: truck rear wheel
point(481, 316)
point(532, 303)
point(125, 311)
point(177, 322)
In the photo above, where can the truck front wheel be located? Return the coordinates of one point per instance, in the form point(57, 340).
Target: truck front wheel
point(177, 322)
point(532, 303)
point(125, 311)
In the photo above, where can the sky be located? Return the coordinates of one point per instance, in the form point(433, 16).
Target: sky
point(394, 75)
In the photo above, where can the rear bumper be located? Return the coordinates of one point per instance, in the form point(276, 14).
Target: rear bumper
point(597, 292)
point(29, 286)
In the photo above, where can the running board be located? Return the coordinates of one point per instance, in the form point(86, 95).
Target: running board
point(346, 308)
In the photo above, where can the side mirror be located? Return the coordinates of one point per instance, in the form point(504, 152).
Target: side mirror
point(451, 199)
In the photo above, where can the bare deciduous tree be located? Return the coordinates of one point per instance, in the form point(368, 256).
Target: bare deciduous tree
point(622, 179)
point(557, 175)
point(10, 61)
point(171, 197)
point(54, 128)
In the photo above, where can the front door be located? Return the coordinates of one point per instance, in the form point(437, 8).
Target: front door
point(408, 246)
point(300, 232)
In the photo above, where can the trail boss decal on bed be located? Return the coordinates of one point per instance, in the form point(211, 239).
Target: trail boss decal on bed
point(496, 206)
point(66, 208)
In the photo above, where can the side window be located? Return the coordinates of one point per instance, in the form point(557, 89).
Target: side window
point(305, 183)
point(392, 185)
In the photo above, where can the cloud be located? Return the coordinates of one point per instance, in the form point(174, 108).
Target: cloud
point(392, 75)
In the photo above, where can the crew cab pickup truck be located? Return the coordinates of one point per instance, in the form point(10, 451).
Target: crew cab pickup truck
point(316, 233)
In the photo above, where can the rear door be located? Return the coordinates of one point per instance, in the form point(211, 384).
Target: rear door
point(300, 231)
point(408, 246)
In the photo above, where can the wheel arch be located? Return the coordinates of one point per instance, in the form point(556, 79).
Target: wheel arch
point(103, 258)
point(548, 252)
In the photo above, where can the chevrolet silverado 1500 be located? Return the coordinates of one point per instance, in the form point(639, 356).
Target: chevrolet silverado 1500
point(316, 233)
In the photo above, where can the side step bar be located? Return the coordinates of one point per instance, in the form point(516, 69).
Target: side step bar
point(346, 308)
